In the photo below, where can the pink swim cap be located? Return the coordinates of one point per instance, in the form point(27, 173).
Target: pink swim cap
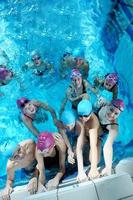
point(21, 102)
point(118, 103)
point(45, 141)
point(75, 73)
point(112, 78)
point(3, 73)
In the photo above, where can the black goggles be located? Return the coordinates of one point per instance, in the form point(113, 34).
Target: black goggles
point(84, 115)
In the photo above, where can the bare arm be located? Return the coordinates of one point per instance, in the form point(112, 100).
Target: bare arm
point(108, 149)
point(79, 149)
point(10, 173)
point(41, 167)
point(63, 106)
point(115, 92)
point(81, 177)
point(98, 82)
point(30, 126)
point(60, 145)
point(90, 87)
point(50, 109)
point(10, 178)
point(93, 135)
point(86, 69)
point(27, 65)
point(64, 135)
point(62, 156)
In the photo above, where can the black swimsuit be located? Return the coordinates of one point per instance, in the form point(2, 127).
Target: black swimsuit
point(30, 169)
point(52, 162)
point(104, 126)
point(84, 92)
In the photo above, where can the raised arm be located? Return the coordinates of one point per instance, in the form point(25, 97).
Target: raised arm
point(47, 108)
point(63, 106)
point(28, 123)
point(115, 92)
point(90, 87)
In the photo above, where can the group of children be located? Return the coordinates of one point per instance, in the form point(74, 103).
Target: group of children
point(81, 130)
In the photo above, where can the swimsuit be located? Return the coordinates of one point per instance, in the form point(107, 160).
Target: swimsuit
point(75, 95)
point(72, 136)
point(30, 169)
point(104, 126)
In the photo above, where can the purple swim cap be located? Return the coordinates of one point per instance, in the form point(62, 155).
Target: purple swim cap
point(21, 102)
point(3, 73)
point(45, 141)
point(75, 73)
point(111, 78)
point(118, 103)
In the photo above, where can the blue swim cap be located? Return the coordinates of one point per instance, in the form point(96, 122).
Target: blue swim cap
point(68, 117)
point(78, 52)
point(84, 107)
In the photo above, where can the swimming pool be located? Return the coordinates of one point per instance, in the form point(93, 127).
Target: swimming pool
point(80, 24)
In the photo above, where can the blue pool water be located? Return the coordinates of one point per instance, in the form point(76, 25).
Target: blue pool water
point(53, 27)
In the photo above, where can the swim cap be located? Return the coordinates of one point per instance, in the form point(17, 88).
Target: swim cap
point(45, 141)
point(84, 107)
point(21, 102)
point(75, 73)
point(118, 103)
point(78, 52)
point(68, 117)
point(112, 78)
point(35, 54)
point(3, 72)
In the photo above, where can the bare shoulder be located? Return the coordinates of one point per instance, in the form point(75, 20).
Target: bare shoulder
point(95, 121)
point(79, 125)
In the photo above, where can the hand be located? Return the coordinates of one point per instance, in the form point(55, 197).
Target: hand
point(6, 193)
point(58, 138)
point(105, 172)
point(93, 174)
point(82, 177)
point(101, 101)
point(32, 185)
point(52, 184)
point(70, 157)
